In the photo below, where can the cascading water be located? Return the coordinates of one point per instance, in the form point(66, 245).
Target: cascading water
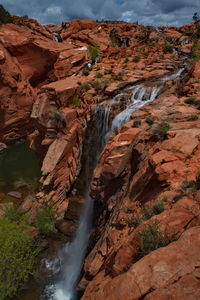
point(69, 262)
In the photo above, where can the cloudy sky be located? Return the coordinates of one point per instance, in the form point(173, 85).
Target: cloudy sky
point(151, 12)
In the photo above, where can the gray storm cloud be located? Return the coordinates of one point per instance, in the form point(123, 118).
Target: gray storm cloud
point(152, 12)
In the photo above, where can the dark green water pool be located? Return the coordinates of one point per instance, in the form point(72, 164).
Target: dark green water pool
point(19, 170)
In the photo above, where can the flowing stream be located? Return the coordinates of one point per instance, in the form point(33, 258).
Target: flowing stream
point(67, 266)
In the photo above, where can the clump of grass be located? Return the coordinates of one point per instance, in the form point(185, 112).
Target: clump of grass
point(151, 238)
point(136, 59)
point(160, 132)
point(193, 118)
point(45, 219)
point(158, 207)
point(167, 47)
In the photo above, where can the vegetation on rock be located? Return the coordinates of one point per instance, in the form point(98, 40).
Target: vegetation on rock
point(18, 254)
point(5, 16)
point(45, 219)
point(152, 238)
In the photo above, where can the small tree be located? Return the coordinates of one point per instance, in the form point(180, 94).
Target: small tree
point(5, 16)
point(196, 17)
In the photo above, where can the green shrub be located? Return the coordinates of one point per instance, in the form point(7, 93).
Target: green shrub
point(126, 60)
point(193, 118)
point(12, 213)
point(5, 16)
point(161, 130)
point(117, 77)
point(85, 71)
point(18, 254)
point(158, 207)
point(85, 86)
point(45, 219)
point(136, 124)
point(147, 212)
point(136, 59)
point(192, 184)
point(76, 102)
point(167, 48)
point(195, 52)
point(99, 75)
point(93, 52)
point(100, 86)
point(108, 71)
point(149, 120)
point(191, 101)
point(151, 238)
point(133, 221)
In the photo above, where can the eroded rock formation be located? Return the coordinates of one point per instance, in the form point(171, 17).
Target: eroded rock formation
point(47, 94)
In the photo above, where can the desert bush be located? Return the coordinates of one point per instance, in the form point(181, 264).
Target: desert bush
point(191, 101)
point(98, 75)
point(147, 212)
point(117, 77)
point(45, 219)
point(133, 221)
point(193, 118)
point(158, 207)
point(136, 124)
point(85, 86)
point(149, 120)
point(195, 52)
point(151, 238)
point(161, 130)
point(76, 102)
point(194, 185)
point(167, 47)
point(136, 59)
point(108, 71)
point(100, 86)
point(85, 71)
point(93, 52)
point(18, 255)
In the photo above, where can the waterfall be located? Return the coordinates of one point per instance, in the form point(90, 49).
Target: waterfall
point(69, 262)
point(135, 103)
